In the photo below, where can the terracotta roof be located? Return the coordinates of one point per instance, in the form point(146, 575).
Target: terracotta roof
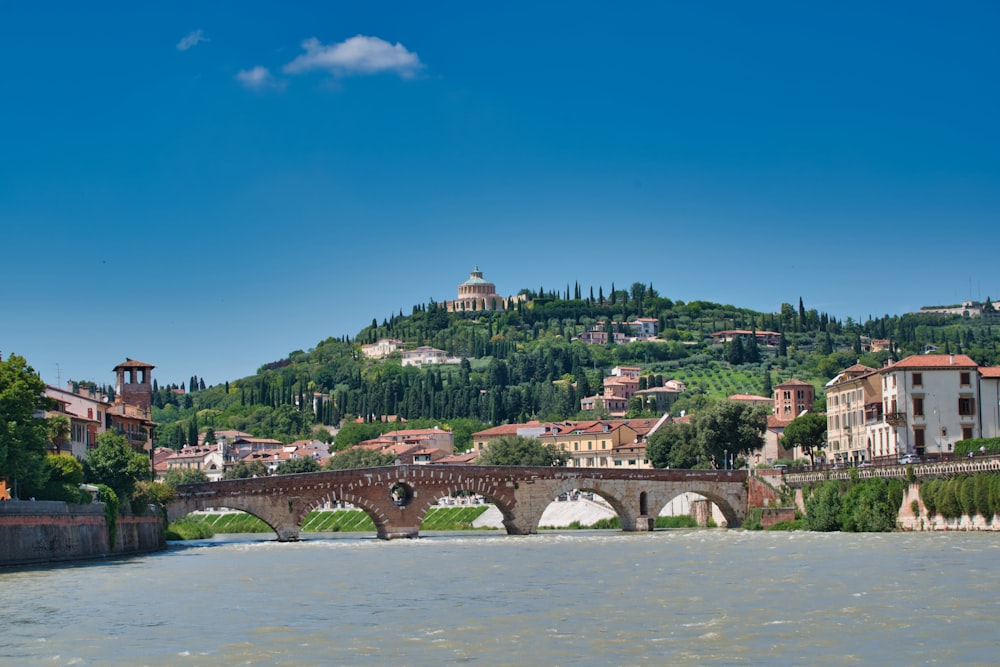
point(794, 382)
point(132, 363)
point(506, 429)
point(748, 397)
point(990, 371)
point(934, 361)
point(466, 458)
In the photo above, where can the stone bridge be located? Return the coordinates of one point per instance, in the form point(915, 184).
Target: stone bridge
point(398, 497)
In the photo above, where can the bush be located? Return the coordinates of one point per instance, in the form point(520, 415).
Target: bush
point(794, 524)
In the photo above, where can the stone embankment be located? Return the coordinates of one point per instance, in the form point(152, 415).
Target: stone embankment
point(48, 531)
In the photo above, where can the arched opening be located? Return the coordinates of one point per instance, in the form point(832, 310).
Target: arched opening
point(643, 504)
point(462, 508)
point(219, 522)
point(331, 516)
point(691, 509)
point(581, 507)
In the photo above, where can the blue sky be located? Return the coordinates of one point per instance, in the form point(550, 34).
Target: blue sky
point(208, 186)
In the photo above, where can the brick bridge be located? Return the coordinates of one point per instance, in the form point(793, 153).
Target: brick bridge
point(398, 497)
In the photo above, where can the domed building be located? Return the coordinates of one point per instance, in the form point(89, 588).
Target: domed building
point(477, 293)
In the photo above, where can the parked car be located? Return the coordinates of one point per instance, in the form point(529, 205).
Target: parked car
point(909, 458)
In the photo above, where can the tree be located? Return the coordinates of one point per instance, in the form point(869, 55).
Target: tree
point(59, 430)
point(730, 427)
point(115, 464)
point(823, 507)
point(674, 446)
point(517, 450)
point(245, 470)
point(65, 476)
point(807, 432)
point(177, 476)
point(23, 437)
point(359, 458)
point(294, 466)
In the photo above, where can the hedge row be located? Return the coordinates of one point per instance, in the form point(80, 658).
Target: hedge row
point(951, 498)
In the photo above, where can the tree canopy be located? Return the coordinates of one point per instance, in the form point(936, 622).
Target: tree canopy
point(114, 463)
point(293, 466)
point(517, 450)
point(23, 437)
point(356, 457)
point(807, 431)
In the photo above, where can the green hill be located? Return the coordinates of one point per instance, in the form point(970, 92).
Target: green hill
point(525, 363)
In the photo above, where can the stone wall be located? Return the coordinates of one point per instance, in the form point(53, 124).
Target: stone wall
point(47, 531)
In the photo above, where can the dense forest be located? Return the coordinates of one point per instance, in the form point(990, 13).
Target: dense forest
point(525, 363)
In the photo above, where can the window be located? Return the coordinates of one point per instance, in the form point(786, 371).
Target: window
point(966, 406)
point(576, 446)
point(966, 433)
point(963, 378)
point(918, 437)
point(918, 379)
point(918, 407)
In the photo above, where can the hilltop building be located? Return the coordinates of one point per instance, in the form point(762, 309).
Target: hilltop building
point(477, 293)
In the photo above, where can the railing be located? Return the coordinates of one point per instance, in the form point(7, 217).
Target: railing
point(895, 418)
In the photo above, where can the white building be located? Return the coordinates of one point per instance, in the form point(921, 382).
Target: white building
point(382, 349)
point(932, 401)
point(425, 355)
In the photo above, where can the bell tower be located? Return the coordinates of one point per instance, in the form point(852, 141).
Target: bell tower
point(134, 386)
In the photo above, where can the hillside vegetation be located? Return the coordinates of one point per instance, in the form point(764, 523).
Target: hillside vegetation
point(524, 364)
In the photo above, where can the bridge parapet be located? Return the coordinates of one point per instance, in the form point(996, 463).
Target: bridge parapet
point(920, 470)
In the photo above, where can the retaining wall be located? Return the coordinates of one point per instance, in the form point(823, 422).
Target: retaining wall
point(49, 531)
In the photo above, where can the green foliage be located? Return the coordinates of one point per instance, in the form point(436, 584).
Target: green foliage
point(515, 450)
point(680, 521)
point(245, 470)
point(971, 495)
point(23, 437)
point(753, 519)
point(293, 466)
point(187, 528)
point(65, 475)
point(807, 431)
point(108, 496)
point(976, 446)
point(116, 464)
point(179, 476)
point(358, 458)
point(148, 493)
point(823, 507)
point(866, 508)
point(675, 446)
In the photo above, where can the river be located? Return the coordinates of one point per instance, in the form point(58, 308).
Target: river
point(680, 597)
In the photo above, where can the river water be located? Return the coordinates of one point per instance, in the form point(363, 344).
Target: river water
point(680, 597)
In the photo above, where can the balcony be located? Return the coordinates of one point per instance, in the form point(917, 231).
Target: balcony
point(895, 418)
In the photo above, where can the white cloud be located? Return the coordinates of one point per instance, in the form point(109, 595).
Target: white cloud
point(359, 55)
point(259, 78)
point(191, 39)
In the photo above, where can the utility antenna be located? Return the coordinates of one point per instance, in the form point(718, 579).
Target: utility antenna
point(58, 376)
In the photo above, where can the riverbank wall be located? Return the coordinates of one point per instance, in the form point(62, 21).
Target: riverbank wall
point(47, 531)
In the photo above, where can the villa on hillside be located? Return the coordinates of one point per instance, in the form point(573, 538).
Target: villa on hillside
point(381, 349)
point(426, 355)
